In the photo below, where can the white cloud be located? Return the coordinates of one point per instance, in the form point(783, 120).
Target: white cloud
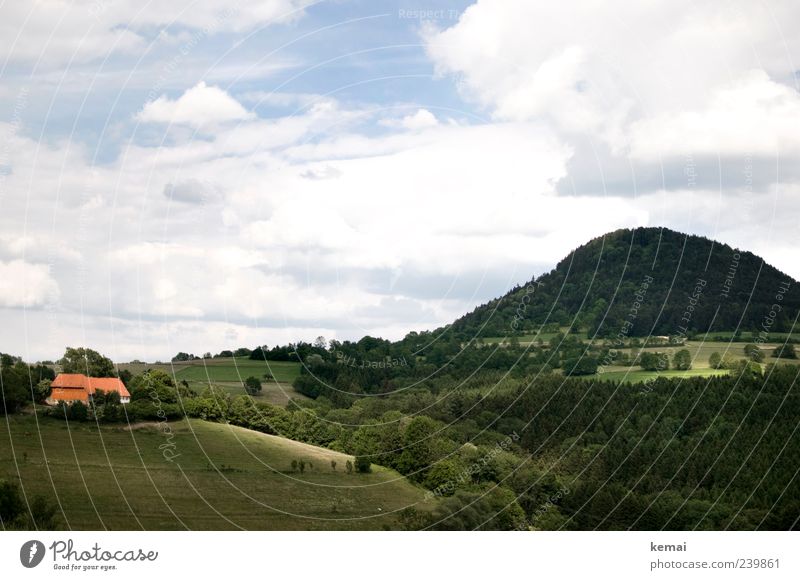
point(199, 106)
point(322, 223)
point(59, 31)
point(597, 68)
point(753, 116)
point(26, 285)
point(421, 119)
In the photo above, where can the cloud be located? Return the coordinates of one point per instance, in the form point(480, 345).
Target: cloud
point(422, 119)
point(199, 106)
point(24, 285)
point(274, 227)
point(59, 31)
point(192, 191)
point(754, 116)
point(624, 74)
point(320, 172)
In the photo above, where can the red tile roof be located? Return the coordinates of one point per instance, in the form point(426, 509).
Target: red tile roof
point(78, 387)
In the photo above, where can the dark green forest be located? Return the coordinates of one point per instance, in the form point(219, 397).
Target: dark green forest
point(595, 286)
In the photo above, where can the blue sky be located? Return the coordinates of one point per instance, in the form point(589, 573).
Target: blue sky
point(200, 176)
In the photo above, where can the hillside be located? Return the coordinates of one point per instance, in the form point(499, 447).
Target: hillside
point(223, 477)
point(663, 282)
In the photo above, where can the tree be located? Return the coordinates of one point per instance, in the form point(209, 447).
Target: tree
point(363, 464)
point(42, 390)
point(302, 465)
point(715, 360)
point(754, 353)
point(348, 466)
point(294, 464)
point(784, 351)
point(86, 361)
point(154, 385)
point(333, 464)
point(11, 504)
point(15, 383)
point(252, 385)
point(125, 376)
point(654, 361)
point(13, 515)
point(78, 411)
point(682, 360)
point(42, 514)
point(583, 365)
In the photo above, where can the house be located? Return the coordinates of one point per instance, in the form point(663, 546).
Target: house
point(74, 387)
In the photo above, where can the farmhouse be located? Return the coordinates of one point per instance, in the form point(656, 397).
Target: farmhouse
point(74, 387)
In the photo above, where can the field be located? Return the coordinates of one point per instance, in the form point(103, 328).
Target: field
point(229, 373)
point(222, 478)
point(637, 375)
point(700, 353)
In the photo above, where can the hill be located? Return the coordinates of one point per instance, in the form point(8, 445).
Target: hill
point(641, 282)
point(223, 477)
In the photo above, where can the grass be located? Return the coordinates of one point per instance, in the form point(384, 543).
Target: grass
point(229, 373)
point(224, 477)
point(222, 369)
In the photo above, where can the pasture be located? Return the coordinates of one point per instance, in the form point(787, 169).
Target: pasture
point(230, 373)
point(222, 478)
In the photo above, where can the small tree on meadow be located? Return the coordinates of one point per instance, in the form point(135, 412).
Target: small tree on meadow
point(715, 360)
point(784, 351)
point(333, 464)
point(682, 360)
point(363, 464)
point(754, 353)
point(252, 385)
point(349, 467)
point(294, 464)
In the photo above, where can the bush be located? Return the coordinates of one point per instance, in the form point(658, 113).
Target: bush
point(77, 411)
point(754, 353)
point(784, 351)
point(252, 385)
point(14, 515)
point(363, 464)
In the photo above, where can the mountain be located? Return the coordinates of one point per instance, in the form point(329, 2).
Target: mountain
point(644, 281)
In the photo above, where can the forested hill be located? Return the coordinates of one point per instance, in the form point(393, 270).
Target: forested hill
point(645, 281)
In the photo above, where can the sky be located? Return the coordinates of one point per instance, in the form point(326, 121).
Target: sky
point(201, 176)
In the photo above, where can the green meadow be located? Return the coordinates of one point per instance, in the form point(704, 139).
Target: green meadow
point(222, 478)
point(230, 373)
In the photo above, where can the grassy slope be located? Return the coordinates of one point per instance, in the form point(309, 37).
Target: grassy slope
point(229, 373)
point(134, 487)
